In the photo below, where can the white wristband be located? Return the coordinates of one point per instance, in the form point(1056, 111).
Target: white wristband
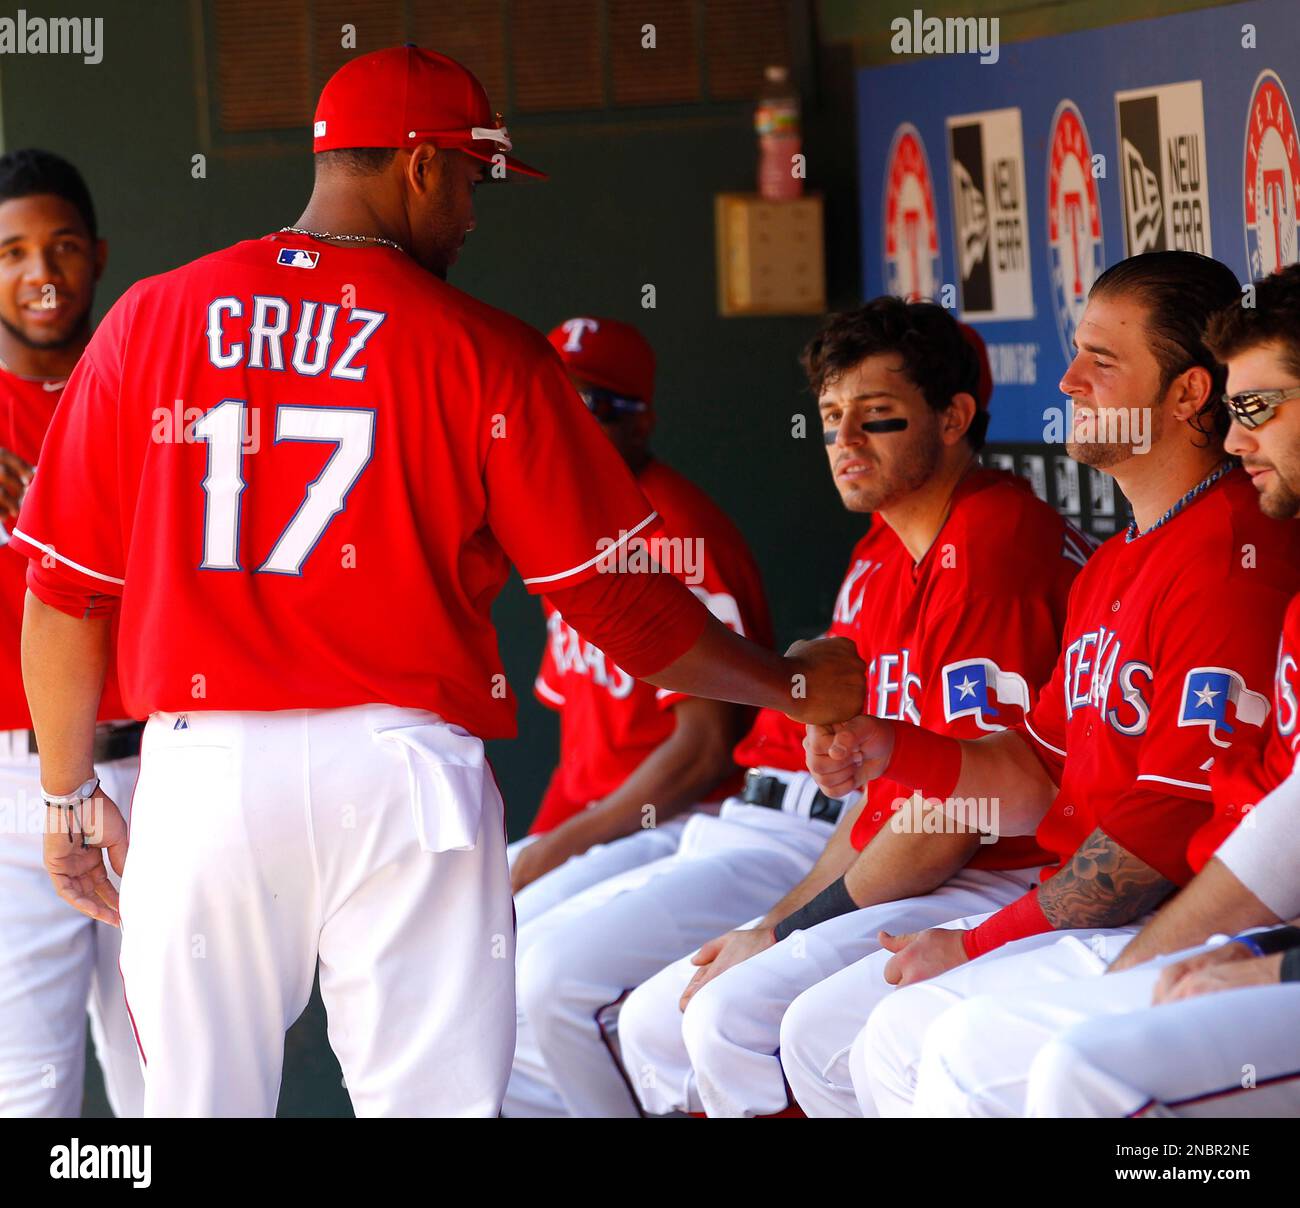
point(1263, 853)
point(83, 792)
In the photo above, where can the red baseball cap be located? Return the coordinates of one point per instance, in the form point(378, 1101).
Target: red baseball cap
point(984, 391)
point(607, 353)
point(404, 96)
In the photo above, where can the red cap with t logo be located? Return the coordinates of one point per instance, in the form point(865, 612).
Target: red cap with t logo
point(404, 96)
point(984, 391)
point(607, 353)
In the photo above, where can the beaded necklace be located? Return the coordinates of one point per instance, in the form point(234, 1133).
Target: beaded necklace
point(1132, 533)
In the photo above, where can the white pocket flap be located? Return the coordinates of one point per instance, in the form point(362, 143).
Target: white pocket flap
point(445, 774)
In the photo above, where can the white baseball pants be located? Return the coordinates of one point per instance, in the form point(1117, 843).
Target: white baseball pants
point(55, 962)
point(887, 1056)
point(1097, 1047)
point(1235, 1053)
point(581, 957)
point(723, 1056)
point(596, 864)
point(368, 841)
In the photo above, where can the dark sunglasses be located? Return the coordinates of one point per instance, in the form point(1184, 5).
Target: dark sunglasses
point(1253, 408)
point(605, 405)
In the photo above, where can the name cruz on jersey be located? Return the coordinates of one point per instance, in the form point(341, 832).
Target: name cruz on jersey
point(258, 341)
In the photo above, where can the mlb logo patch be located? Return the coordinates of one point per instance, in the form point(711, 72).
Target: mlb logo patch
point(294, 257)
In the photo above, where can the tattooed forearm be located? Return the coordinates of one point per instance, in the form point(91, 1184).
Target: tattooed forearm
point(1103, 885)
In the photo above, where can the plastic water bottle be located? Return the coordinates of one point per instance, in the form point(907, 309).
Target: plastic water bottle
point(776, 122)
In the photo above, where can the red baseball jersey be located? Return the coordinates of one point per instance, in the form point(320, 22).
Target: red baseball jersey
point(26, 407)
point(774, 741)
point(960, 641)
point(1155, 681)
point(305, 470)
point(609, 721)
point(1249, 771)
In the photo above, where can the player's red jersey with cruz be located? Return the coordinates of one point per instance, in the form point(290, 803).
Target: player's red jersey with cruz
point(609, 721)
point(960, 641)
point(26, 407)
point(1156, 681)
point(1251, 770)
point(305, 469)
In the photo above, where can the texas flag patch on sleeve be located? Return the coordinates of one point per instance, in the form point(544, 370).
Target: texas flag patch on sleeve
point(975, 687)
point(1215, 697)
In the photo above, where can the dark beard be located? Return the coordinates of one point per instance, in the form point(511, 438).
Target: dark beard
point(76, 335)
point(1281, 503)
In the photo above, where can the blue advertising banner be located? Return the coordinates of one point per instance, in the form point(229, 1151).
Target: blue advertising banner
point(1002, 189)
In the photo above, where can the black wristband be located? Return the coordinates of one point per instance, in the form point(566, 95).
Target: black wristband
point(1291, 966)
point(832, 902)
point(1275, 939)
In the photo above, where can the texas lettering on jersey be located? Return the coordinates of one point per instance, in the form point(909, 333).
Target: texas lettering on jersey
point(609, 722)
point(959, 641)
point(572, 654)
point(1123, 701)
point(1153, 686)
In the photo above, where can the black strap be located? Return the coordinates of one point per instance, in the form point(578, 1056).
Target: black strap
point(832, 902)
point(111, 741)
point(1291, 965)
point(1275, 939)
point(770, 791)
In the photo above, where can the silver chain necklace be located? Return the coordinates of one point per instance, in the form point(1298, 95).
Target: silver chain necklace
point(293, 230)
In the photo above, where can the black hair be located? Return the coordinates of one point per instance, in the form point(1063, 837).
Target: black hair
point(1181, 291)
point(1274, 317)
point(937, 359)
point(360, 161)
point(29, 171)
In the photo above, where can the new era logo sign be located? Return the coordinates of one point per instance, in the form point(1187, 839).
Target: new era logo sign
point(318, 130)
point(295, 257)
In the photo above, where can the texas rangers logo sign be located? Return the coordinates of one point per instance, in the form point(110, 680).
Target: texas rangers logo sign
point(1215, 697)
point(1271, 178)
point(975, 687)
point(911, 228)
point(1075, 252)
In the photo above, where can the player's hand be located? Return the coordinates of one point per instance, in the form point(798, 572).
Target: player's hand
point(79, 875)
point(843, 757)
point(544, 853)
point(1227, 967)
point(922, 954)
point(828, 681)
point(721, 954)
point(15, 474)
